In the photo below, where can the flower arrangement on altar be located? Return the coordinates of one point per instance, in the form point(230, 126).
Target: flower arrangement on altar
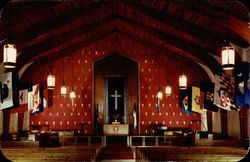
point(115, 115)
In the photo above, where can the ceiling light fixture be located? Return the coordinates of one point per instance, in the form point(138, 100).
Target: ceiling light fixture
point(228, 51)
point(9, 52)
point(72, 94)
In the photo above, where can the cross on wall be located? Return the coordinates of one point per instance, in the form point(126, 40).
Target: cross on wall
point(116, 96)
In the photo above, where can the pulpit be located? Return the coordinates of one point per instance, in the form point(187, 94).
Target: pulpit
point(115, 129)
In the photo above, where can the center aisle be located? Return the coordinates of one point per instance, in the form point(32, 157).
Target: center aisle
point(116, 150)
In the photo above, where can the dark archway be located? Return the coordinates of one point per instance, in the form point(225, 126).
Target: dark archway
point(116, 89)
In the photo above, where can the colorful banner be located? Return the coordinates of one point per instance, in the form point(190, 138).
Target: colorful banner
point(185, 101)
point(34, 99)
point(23, 96)
point(208, 89)
point(195, 100)
point(6, 91)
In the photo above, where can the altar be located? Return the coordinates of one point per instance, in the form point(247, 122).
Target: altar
point(115, 129)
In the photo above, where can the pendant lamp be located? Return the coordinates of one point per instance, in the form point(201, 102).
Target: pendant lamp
point(228, 51)
point(183, 81)
point(72, 94)
point(9, 55)
point(159, 94)
point(168, 90)
point(51, 80)
point(9, 52)
point(63, 87)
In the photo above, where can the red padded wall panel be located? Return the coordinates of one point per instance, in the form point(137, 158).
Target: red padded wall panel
point(64, 114)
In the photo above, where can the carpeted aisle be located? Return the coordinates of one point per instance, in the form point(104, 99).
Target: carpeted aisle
point(116, 150)
point(115, 153)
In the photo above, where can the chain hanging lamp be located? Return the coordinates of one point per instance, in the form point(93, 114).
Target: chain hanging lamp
point(51, 80)
point(63, 87)
point(228, 51)
point(183, 81)
point(9, 52)
point(72, 94)
point(159, 94)
point(168, 88)
point(182, 77)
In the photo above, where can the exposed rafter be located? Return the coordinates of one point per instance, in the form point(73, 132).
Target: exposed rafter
point(194, 30)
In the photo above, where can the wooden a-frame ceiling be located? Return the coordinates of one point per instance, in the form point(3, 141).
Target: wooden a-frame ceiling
point(195, 30)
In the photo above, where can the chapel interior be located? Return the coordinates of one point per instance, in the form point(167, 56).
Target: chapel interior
point(124, 80)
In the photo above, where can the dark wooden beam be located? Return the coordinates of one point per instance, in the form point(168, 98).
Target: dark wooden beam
point(172, 54)
point(177, 24)
point(65, 21)
point(170, 40)
point(194, 26)
point(38, 63)
point(47, 46)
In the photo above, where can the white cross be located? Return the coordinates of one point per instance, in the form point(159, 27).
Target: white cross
point(116, 95)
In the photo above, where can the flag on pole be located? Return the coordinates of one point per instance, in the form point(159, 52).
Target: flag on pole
point(43, 100)
point(96, 119)
point(23, 96)
point(216, 90)
point(221, 93)
point(135, 116)
point(185, 101)
point(231, 91)
point(6, 91)
point(225, 101)
point(195, 100)
point(239, 86)
point(246, 78)
point(208, 89)
point(34, 99)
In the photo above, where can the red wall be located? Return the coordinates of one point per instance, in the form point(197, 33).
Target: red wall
point(65, 115)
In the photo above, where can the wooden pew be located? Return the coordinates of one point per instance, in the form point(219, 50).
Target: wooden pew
point(189, 154)
point(51, 154)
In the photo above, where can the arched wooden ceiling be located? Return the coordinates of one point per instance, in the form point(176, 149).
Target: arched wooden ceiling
point(193, 29)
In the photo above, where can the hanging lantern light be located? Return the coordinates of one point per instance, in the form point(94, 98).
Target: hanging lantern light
point(183, 81)
point(168, 90)
point(63, 90)
point(228, 57)
point(72, 94)
point(63, 87)
point(9, 56)
point(228, 51)
point(51, 81)
point(159, 95)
